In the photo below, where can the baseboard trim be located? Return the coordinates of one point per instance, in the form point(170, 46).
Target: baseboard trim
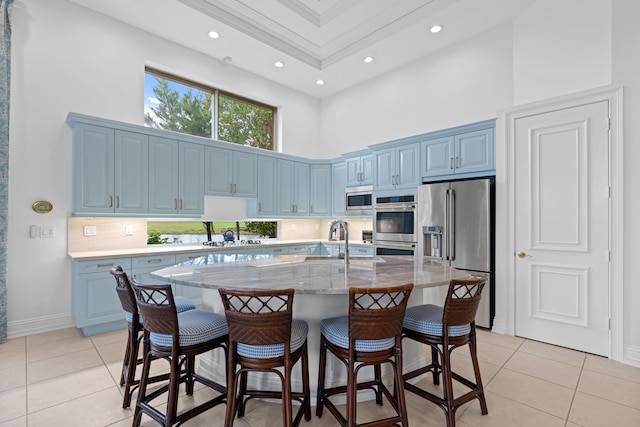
point(632, 356)
point(38, 325)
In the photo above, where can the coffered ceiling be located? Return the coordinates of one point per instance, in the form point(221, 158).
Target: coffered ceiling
point(315, 39)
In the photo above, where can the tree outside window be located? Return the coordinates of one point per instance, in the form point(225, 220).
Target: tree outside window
point(176, 105)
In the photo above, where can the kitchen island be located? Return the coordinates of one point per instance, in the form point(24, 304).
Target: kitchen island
point(321, 284)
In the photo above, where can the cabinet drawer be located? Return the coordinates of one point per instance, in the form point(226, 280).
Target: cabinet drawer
point(280, 250)
point(102, 265)
point(361, 250)
point(299, 249)
point(180, 258)
point(153, 261)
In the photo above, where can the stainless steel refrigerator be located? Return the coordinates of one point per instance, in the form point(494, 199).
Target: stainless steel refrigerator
point(455, 226)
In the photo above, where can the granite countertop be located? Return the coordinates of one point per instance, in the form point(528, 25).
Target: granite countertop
point(197, 247)
point(307, 274)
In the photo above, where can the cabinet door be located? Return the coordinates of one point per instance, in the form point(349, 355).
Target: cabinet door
point(94, 297)
point(191, 179)
point(301, 188)
point(163, 176)
point(219, 171)
point(338, 184)
point(320, 190)
point(385, 169)
point(244, 175)
point(285, 191)
point(267, 178)
point(437, 155)
point(475, 151)
point(407, 166)
point(131, 172)
point(366, 169)
point(353, 171)
point(93, 168)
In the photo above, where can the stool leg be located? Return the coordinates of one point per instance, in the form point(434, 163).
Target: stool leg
point(305, 383)
point(142, 390)
point(321, 373)
point(435, 361)
point(378, 379)
point(476, 369)
point(232, 384)
point(174, 384)
point(448, 385)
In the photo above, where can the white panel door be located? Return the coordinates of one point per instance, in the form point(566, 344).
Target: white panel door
point(562, 227)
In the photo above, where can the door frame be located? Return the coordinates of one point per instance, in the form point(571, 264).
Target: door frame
point(504, 321)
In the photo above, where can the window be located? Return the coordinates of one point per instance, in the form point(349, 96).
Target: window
point(179, 105)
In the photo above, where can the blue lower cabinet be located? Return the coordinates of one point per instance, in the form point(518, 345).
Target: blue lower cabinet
point(95, 304)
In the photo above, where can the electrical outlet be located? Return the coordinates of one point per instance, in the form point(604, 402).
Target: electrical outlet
point(90, 230)
point(293, 227)
point(128, 230)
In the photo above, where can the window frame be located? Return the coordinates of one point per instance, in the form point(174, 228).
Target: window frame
point(215, 93)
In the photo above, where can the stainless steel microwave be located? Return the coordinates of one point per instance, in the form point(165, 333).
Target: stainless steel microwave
point(358, 200)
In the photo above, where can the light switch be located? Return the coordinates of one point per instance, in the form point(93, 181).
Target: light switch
point(47, 231)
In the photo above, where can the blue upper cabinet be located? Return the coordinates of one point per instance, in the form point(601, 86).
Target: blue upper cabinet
point(267, 178)
point(293, 188)
point(462, 152)
point(320, 190)
point(176, 183)
point(359, 169)
point(397, 167)
point(338, 184)
point(230, 173)
point(110, 170)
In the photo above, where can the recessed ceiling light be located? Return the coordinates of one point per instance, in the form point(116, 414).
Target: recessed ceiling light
point(320, 82)
point(213, 34)
point(279, 64)
point(436, 28)
point(368, 59)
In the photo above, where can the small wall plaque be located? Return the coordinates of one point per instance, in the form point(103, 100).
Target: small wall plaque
point(42, 207)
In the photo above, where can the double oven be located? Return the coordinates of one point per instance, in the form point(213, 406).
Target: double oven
point(395, 225)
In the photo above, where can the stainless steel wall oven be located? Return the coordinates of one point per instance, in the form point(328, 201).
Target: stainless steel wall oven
point(395, 225)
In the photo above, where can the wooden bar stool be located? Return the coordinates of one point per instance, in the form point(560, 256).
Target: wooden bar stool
point(263, 337)
point(371, 335)
point(177, 338)
point(445, 329)
point(134, 326)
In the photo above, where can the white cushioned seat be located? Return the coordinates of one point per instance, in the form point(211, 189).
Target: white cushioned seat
point(427, 319)
point(299, 331)
point(194, 327)
point(336, 331)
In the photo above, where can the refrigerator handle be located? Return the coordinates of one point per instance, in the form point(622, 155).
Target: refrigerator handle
point(452, 224)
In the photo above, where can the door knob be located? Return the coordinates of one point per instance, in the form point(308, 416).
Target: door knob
point(522, 254)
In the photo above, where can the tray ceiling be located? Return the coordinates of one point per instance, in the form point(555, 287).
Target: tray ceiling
point(316, 39)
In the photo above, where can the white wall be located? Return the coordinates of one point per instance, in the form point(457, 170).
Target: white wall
point(466, 83)
point(561, 47)
point(626, 72)
point(67, 58)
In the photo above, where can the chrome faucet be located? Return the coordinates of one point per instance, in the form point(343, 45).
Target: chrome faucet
point(335, 226)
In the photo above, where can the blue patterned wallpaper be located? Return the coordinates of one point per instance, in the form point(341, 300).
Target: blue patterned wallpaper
point(5, 86)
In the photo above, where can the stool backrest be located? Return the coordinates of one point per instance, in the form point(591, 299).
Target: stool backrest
point(462, 301)
point(125, 292)
point(157, 307)
point(377, 313)
point(258, 317)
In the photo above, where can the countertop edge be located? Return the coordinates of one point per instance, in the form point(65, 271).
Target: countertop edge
point(169, 249)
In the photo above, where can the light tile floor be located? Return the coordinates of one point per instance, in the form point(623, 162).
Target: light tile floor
point(64, 379)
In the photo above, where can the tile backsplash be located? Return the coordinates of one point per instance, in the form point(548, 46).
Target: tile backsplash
point(296, 229)
point(110, 233)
